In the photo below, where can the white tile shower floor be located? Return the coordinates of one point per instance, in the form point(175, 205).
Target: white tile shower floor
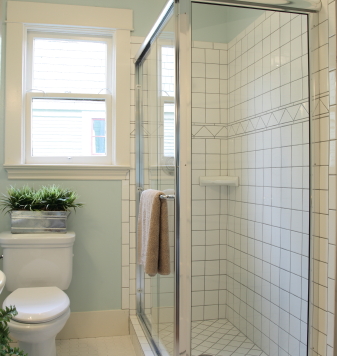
point(100, 346)
point(214, 338)
point(221, 338)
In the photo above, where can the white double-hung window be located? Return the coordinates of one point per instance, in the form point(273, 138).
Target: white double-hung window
point(68, 99)
point(67, 91)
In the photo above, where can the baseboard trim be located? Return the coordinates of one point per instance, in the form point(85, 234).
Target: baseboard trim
point(96, 324)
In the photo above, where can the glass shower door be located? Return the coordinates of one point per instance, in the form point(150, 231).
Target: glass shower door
point(155, 149)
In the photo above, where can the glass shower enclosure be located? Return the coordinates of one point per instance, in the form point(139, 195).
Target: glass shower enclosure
point(223, 128)
point(156, 170)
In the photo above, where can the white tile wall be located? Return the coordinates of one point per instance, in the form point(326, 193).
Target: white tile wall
point(209, 119)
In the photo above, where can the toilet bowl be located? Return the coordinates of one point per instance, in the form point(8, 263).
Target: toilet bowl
point(42, 313)
point(38, 339)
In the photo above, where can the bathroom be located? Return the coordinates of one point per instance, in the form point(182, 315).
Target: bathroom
point(105, 247)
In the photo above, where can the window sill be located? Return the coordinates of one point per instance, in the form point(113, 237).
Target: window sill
point(69, 172)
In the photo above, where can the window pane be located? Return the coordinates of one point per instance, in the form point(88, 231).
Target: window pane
point(167, 71)
point(65, 65)
point(65, 127)
point(99, 145)
point(98, 136)
point(99, 127)
point(168, 129)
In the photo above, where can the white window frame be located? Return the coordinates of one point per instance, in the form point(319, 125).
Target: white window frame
point(27, 16)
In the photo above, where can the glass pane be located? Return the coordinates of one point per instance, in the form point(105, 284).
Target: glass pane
point(167, 70)
point(99, 127)
point(66, 127)
point(250, 243)
point(156, 78)
point(99, 147)
point(169, 129)
point(72, 66)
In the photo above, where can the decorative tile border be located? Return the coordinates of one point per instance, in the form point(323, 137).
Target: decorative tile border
point(278, 117)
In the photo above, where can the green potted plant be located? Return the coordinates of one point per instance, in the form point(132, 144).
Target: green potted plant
point(5, 347)
point(39, 210)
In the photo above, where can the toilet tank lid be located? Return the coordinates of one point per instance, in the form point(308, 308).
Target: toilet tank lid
point(8, 239)
point(37, 305)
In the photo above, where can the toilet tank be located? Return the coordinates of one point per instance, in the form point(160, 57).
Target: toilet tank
point(37, 260)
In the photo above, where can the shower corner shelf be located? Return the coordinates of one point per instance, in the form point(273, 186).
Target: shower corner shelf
point(219, 180)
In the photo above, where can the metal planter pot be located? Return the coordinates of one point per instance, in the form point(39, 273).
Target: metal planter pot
point(38, 222)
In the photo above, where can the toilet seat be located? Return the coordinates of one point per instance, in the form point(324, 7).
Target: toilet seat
point(37, 305)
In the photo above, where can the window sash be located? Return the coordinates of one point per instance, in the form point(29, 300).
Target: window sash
point(32, 93)
point(96, 159)
point(31, 35)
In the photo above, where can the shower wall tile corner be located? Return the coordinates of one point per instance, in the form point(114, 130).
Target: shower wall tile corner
point(324, 181)
point(129, 201)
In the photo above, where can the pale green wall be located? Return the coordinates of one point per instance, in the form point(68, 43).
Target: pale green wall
point(96, 283)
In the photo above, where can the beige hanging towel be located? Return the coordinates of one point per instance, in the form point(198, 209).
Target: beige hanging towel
point(153, 233)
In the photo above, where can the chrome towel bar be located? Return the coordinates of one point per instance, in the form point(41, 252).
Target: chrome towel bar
point(168, 197)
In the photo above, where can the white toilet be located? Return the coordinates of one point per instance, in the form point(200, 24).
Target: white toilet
point(38, 267)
